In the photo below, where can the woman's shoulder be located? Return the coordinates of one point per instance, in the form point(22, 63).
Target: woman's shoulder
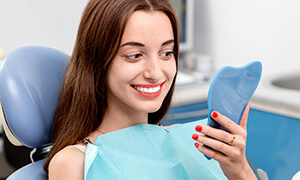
point(67, 163)
point(69, 153)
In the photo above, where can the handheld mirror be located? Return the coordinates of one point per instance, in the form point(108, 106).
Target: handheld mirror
point(231, 89)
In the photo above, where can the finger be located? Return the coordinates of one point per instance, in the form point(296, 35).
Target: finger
point(218, 156)
point(218, 134)
point(227, 123)
point(237, 140)
point(244, 119)
point(216, 145)
point(233, 151)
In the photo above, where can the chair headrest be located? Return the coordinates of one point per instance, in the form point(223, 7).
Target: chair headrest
point(30, 81)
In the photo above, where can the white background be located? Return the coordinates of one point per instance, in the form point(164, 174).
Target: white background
point(236, 32)
point(233, 32)
point(52, 23)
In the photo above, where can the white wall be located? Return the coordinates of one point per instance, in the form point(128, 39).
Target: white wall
point(52, 23)
point(236, 32)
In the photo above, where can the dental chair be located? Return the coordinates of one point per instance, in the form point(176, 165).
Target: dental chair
point(30, 81)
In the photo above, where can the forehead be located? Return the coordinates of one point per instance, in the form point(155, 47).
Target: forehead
point(146, 26)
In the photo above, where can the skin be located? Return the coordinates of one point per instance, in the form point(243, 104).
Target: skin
point(145, 57)
point(232, 157)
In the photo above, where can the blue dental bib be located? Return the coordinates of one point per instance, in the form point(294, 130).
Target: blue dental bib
point(149, 152)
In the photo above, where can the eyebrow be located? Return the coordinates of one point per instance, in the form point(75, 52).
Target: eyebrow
point(133, 43)
point(168, 42)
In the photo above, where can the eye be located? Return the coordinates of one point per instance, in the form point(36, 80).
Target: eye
point(167, 55)
point(134, 57)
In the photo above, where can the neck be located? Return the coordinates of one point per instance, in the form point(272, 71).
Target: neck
point(115, 119)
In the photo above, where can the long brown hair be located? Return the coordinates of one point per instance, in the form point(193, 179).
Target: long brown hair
point(82, 101)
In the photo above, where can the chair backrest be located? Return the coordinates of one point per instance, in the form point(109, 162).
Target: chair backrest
point(30, 81)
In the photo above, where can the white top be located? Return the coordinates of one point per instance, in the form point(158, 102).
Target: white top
point(80, 147)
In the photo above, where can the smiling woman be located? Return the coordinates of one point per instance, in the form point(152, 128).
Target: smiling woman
point(143, 70)
point(122, 73)
point(117, 88)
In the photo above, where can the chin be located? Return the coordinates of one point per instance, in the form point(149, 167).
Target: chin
point(153, 109)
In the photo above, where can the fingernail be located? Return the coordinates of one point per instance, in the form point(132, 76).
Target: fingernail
point(215, 114)
point(198, 128)
point(195, 136)
point(197, 145)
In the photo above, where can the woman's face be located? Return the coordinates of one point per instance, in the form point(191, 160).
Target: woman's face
point(142, 72)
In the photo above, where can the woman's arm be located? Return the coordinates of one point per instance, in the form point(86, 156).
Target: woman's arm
point(229, 146)
point(67, 164)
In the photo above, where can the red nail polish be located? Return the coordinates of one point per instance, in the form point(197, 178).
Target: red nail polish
point(215, 115)
point(197, 145)
point(195, 136)
point(198, 128)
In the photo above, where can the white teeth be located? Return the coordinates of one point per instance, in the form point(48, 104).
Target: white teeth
point(147, 90)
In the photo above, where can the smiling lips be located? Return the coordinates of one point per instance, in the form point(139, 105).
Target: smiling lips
point(148, 90)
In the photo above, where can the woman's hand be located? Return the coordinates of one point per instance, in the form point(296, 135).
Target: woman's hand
point(228, 148)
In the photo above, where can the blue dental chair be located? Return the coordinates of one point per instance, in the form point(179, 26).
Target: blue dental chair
point(30, 81)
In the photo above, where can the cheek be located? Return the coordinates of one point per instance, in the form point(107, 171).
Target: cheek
point(114, 77)
point(120, 73)
point(170, 69)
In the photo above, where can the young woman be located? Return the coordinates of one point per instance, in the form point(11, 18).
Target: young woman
point(121, 76)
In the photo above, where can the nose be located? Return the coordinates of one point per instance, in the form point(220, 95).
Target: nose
point(153, 71)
